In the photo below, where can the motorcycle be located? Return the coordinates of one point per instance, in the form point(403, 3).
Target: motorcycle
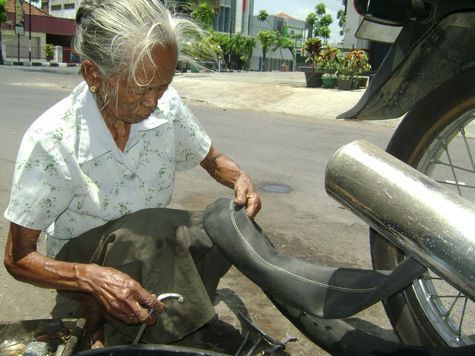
point(428, 77)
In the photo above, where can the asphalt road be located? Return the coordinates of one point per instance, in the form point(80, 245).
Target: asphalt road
point(273, 149)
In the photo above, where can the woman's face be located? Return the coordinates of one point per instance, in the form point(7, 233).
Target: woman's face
point(134, 103)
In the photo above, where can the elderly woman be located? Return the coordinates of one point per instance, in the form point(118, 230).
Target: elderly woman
point(95, 171)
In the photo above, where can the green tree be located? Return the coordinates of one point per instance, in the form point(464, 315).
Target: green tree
point(263, 15)
point(286, 42)
point(236, 49)
point(189, 6)
point(204, 15)
point(341, 16)
point(3, 18)
point(241, 49)
point(267, 39)
point(223, 40)
point(289, 43)
point(321, 27)
point(310, 21)
point(324, 32)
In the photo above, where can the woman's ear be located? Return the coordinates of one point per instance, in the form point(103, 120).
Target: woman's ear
point(91, 74)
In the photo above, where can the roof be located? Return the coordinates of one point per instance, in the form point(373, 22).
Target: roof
point(284, 15)
point(42, 21)
point(10, 8)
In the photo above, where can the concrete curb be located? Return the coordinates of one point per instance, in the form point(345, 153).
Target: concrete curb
point(38, 64)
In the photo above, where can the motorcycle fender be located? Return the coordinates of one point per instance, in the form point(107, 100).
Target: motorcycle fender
point(403, 80)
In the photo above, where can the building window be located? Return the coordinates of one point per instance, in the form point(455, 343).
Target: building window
point(55, 7)
point(223, 20)
point(69, 6)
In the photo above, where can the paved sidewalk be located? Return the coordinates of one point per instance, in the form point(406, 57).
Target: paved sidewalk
point(275, 92)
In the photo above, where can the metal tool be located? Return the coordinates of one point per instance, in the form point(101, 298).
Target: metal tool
point(162, 298)
point(280, 346)
point(274, 345)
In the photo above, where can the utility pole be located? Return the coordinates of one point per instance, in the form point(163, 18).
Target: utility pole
point(230, 34)
point(3, 18)
point(19, 23)
point(29, 26)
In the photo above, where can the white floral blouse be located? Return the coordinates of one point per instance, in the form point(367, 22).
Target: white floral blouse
point(71, 177)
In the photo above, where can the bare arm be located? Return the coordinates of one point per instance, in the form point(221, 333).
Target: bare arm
point(228, 173)
point(119, 294)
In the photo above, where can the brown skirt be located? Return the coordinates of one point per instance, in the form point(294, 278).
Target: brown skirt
point(167, 251)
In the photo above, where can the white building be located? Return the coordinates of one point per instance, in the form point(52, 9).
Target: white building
point(64, 8)
point(36, 3)
point(353, 20)
point(234, 16)
point(284, 25)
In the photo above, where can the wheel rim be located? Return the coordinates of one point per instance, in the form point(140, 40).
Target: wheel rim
point(450, 160)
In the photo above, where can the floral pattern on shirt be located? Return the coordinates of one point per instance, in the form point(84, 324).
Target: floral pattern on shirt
point(70, 176)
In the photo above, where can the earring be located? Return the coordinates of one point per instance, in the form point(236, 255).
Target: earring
point(93, 89)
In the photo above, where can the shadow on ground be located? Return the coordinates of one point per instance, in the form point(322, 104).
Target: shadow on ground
point(221, 336)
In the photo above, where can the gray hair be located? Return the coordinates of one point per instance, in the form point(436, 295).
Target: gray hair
point(117, 35)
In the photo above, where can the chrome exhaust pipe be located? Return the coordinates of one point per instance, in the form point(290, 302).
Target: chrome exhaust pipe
point(417, 214)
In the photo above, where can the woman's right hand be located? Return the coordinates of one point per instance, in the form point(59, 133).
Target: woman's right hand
point(121, 296)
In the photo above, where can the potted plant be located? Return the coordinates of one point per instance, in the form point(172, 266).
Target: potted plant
point(352, 65)
point(345, 82)
point(360, 63)
point(345, 74)
point(328, 59)
point(311, 49)
point(329, 80)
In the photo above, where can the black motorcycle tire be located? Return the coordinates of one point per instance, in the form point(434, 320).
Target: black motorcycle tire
point(419, 128)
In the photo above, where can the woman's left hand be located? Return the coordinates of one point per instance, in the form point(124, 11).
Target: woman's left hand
point(246, 195)
point(227, 172)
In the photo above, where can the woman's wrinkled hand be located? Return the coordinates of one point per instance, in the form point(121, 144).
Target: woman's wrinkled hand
point(246, 195)
point(227, 172)
point(123, 297)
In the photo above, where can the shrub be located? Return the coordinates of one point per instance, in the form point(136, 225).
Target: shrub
point(329, 58)
point(354, 63)
point(49, 51)
point(311, 49)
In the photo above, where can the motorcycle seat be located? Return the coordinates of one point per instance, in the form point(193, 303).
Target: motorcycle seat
point(326, 292)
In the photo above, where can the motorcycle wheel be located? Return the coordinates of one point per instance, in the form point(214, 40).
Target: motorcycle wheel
point(437, 137)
